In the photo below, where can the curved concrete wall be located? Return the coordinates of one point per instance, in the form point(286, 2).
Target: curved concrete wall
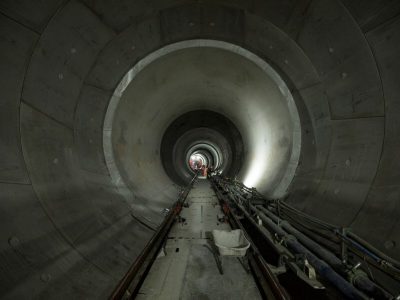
point(204, 131)
point(69, 232)
point(195, 75)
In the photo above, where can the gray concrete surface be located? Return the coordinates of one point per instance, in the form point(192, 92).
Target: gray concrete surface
point(68, 230)
point(187, 269)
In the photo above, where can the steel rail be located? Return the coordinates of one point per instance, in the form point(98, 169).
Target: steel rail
point(130, 284)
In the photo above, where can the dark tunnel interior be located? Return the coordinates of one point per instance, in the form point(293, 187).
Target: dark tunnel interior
point(104, 106)
point(208, 134)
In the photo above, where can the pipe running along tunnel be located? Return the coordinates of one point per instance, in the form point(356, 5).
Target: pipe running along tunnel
point(106, 106)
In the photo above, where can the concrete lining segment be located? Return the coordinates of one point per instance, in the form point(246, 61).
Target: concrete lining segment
point(288, 34)
point(200, 126)
point(340, 59)
point(252, 175)
point(383, 198)
point(214, 150)
point(16, 45)
point(62, 58)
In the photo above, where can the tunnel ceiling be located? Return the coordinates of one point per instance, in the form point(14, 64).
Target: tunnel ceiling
point(312, 84)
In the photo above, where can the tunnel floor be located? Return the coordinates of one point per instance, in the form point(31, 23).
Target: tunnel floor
point(186, 269)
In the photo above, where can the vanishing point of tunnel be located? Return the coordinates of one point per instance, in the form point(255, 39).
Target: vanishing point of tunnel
point(108, 108)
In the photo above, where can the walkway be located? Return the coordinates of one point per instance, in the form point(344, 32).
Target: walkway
point(188, 270)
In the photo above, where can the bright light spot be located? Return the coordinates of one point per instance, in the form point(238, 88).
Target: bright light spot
point(260, 153)
point(257, 166)
point(197, 161)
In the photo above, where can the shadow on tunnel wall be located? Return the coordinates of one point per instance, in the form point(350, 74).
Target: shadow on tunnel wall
point(66, 231)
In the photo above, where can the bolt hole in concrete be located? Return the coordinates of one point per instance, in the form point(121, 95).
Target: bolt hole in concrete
point(390, 244)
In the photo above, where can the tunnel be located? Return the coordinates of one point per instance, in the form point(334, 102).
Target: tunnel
point(105, 107)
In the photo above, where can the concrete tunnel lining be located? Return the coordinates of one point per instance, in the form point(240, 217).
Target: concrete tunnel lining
point(210, 143)
point(212, 152)
point(264, 156)
point(66, 227)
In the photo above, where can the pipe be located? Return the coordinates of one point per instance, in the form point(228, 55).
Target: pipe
point(321, 252)
point(362, 282)
point(323, 269)
point(357, 245)
point(379, 253)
